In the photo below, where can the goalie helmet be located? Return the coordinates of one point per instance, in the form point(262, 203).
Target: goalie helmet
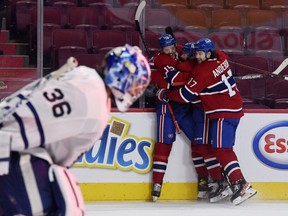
point(204, 44)
point(127, 74)
point(166, 40)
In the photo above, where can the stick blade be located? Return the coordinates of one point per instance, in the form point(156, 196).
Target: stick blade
point(139, 10)
point(281, 67)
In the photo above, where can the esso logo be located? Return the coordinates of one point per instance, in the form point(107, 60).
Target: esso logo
point(270, 145)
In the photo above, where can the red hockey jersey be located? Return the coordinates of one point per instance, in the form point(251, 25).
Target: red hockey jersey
point(213, 82)
point(164, 69)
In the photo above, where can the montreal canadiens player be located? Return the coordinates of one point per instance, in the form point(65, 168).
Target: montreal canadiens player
point(46, 126)
point(165, 67)
point(213, 82)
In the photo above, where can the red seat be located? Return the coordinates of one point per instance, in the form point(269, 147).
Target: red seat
point(48, 29)
point(245, 89)
point(87, 2)
point(233, 3)
point(244, 65)
point(243, 6)
point(257, 18)
point(89, 29)
point(268, 4)
point(51, 21)
point(50, 15)
point(161, 2)
point(173, 7)
point(264, 40)
point(120, 18)
point(90, 60)
point(276, 61)
point(157, 19)
point(196, 3)
point(64, 52)
point(228, 40)
point(69, 37)
point(208, 9)
point(226, 19)
point(251, 65)
point(73, 38)
point(83, 15)
point(23, 14)
point(63, 7)
point(101, 39)
point(276, 89)
point(186, 36)
point(52, 2)
point(184, 21)
point(151, 39)
point(281, 104)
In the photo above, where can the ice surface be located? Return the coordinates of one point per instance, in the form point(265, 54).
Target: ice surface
point(195, 208)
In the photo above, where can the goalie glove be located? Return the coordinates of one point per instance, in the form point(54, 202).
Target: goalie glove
point(161, 95)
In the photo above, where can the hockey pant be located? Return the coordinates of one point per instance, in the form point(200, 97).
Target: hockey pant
point(35, 187)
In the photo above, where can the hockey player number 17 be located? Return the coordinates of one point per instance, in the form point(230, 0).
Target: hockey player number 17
point(224, 78)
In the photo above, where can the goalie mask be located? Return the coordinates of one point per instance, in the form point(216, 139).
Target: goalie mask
point(127, 74)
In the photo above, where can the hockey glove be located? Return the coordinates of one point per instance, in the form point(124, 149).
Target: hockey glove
point(161, 95)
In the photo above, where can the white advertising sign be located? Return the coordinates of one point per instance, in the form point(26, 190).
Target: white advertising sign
point(124, 154)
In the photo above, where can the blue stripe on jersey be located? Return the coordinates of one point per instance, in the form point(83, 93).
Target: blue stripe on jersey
point(22, 129)
point(38, 122)
point(170, 75)
point(220, 86)
point(187, 95)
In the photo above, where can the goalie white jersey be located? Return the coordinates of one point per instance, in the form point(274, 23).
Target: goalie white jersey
point(65, 115)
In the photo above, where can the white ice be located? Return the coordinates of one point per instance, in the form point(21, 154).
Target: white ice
point(195, 208)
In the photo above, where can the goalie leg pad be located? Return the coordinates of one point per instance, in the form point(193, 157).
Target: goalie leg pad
point(66, 192)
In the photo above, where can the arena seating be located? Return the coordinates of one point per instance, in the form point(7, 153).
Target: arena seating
point(254, 33)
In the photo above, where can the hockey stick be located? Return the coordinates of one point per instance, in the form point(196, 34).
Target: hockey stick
point(275, 73)
point(178, 130)
point(139, 11)
point(169, 30)
point(8, 106)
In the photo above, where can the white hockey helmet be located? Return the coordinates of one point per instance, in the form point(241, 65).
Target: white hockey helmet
point(127, 74)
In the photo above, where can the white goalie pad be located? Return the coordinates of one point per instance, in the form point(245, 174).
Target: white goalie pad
point(66, 192)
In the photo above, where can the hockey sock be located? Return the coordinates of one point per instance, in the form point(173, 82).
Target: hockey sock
point(199, 163)
point(160, 160)
point(230, 164)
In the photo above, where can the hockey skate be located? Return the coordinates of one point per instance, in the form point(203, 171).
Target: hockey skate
point(203, 189)
point(242, 191)
point(219, 190)
point(156, 191)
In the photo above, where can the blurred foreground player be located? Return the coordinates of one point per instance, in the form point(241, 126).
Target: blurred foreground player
point(48, 124)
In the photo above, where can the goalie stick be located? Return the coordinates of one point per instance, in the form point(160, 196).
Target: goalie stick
point(275, 73)
point(6, 108)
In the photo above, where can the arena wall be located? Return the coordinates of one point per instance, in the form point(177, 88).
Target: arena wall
point(118, 167)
